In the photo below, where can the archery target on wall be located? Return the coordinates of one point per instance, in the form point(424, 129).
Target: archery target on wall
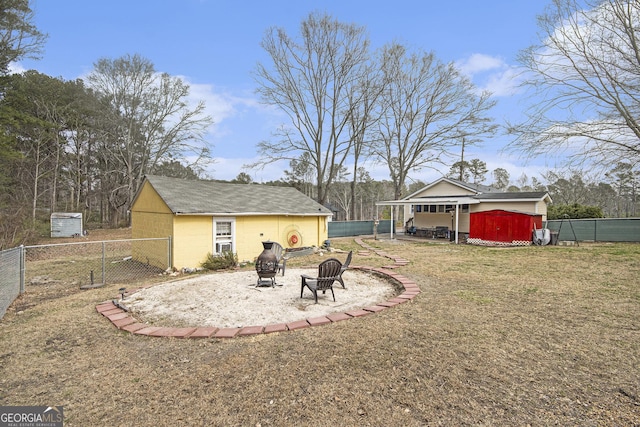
point(293, 237)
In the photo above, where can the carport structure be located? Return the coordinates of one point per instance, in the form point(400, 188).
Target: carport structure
point(448, 203)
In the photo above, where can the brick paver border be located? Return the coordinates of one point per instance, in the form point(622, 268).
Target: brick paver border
point(123, 320)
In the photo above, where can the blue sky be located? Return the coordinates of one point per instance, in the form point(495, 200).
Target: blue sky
point(215, 46)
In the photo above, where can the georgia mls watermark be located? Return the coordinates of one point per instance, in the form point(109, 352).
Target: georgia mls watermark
point(31, 416)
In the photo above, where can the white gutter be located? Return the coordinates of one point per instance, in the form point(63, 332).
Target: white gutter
point(430, 201)
point(250, 214)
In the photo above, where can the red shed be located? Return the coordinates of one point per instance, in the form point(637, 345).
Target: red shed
point(503, 227)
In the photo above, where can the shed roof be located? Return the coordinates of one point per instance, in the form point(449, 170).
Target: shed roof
point(195, 197)
point(509, 211)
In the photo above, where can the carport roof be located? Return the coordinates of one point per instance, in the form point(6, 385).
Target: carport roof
point(195, 197)
point(523, 196)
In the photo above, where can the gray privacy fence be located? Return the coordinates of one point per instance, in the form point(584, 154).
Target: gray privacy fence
point(80, 264)
point(357, 228)
point(597, 229)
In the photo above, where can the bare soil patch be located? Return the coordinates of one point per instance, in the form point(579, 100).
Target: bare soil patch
point(232, 299)
point(525, 336)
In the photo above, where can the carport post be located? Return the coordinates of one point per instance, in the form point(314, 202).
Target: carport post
point(457, 221)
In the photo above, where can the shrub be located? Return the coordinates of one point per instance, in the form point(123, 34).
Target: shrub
point(220, 262)
point(574, 211)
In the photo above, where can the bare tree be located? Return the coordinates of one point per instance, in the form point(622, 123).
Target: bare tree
point(154, 123)
point(311, 80)
point(584, 79)
point(340, 194)
point(364, 116)
point(626, 181)
point(428, 107)
point(301, 175)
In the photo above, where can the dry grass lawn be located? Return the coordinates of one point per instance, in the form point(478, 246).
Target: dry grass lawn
point(521, 336)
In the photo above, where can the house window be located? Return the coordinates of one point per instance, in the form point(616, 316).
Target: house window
point(418, 208)
point(465, 208)
point(433, 208)
point(440, 208)
point(223, 235)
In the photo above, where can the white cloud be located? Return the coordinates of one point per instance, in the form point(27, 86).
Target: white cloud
point(16, 68)
point(240, 121)
point(504, 83)
point(478, 63)
point(218, 104)
point(491, 73)
point(228, 168)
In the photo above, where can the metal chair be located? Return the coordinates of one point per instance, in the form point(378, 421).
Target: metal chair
point(328, 272)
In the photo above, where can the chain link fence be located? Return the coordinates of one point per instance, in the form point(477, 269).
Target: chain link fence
point(11, 285)
point(358, 228)
point(83, 265)
point(597, 229)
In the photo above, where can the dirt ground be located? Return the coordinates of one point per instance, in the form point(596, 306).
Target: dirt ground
point(499, 336)
point(231, 300)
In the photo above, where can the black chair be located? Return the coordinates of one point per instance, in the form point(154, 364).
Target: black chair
point(328, 272)
point(344, 268)
point(280, 255)
point(442, 232)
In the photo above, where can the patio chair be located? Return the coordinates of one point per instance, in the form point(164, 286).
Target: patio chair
point(280, 255)
point(328, 272)
point(442, 232)
point(344, 268)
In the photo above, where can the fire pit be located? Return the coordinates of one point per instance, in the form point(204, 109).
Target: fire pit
point(267, 265)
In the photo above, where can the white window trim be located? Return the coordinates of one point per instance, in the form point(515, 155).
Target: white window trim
point(216, 240)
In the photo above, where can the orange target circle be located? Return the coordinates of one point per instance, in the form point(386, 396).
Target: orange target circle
point(293, 239)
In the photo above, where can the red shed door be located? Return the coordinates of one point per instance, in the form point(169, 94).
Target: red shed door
point(499, 227)
point(491, 228)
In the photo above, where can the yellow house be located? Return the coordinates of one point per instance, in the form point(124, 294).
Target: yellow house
point(204, 217)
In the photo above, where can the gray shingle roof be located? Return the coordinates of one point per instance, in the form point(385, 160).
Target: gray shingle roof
point(480, 188)
point(512, 195)
point(210, 197)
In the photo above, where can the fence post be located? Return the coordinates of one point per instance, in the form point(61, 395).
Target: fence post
point(22, 257)
point(104, 279)
point(169, 252)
